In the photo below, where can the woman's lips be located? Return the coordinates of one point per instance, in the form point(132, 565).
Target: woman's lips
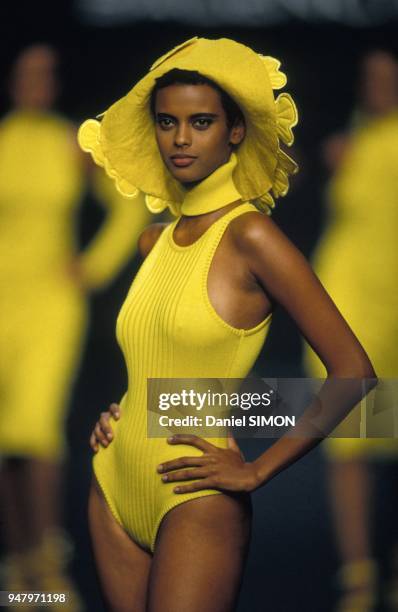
point(182, 162)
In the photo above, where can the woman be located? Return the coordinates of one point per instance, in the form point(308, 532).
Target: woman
point(44, 313)
point(199, 134)
point(361, 176)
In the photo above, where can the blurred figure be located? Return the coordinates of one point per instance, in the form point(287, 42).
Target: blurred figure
point(357, 261)
point(44, 313)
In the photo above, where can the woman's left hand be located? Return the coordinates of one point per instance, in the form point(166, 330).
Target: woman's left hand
point(217, 468)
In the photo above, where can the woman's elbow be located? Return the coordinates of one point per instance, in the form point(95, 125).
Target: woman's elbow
point(358, 366)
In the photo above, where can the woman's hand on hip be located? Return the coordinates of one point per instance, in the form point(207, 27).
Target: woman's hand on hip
point(218, 468)
point(102, 432)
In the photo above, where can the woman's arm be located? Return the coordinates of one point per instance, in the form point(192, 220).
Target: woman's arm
point(288, 279)
point(115, 243)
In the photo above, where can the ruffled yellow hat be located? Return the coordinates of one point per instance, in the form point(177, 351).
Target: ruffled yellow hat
point(124, 142)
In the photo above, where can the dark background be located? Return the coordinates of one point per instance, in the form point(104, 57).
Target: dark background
point(293, 558)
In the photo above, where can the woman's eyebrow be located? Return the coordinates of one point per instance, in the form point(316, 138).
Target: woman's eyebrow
point(194, 116)
point(209, 115)
point(166, 115)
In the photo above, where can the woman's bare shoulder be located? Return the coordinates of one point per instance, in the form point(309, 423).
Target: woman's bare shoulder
point(264, 245)
point(251, 228)
point(149, 236)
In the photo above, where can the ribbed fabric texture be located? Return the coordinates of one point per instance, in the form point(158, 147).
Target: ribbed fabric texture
point(167, 328)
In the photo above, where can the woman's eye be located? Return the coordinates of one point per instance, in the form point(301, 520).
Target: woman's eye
point(203, 122)
point(165, 123)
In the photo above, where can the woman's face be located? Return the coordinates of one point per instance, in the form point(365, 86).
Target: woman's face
point(34, 82)
point(192, 132)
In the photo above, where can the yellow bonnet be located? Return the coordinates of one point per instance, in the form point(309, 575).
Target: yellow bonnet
point(124, 141)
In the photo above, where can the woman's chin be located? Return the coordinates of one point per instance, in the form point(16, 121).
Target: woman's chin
point(185, 175)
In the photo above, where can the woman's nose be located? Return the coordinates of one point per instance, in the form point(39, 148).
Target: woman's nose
point(182, 135)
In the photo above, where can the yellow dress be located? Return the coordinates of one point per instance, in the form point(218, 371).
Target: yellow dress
point(168, 328)
point(43, 314)
point(357, 260)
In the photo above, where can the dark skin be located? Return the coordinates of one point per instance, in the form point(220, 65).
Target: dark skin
point(254, 268)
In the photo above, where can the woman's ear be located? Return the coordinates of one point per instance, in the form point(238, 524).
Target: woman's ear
point(237, 133)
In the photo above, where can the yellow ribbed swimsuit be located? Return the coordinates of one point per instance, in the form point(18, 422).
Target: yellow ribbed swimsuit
point(43, 313)
point(168, 328)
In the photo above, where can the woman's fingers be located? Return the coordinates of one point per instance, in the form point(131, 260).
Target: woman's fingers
point(97, 436)
point(100, 435)
point(190, 474)
point(102, 432)
point(114, 409)
point(175, 464)
point(93, 442)
point(105, 425)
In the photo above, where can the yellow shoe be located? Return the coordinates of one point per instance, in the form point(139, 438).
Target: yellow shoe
point(14, 577)
point(11, 574)
point(392, 596)
point(392, 589)
point(47, 567)
point(358, 583)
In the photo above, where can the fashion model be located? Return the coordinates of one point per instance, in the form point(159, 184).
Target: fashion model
point(365, 290)
point(200, 134)
point(44, 312)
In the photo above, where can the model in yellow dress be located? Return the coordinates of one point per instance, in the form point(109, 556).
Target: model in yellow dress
point(44, 307)
point(215, 172)
point(357, 262)
point(357, 256)
point(44, 311)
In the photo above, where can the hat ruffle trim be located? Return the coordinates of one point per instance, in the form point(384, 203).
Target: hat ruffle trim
point(89, 138)
point(286, 120)
point(277, 77)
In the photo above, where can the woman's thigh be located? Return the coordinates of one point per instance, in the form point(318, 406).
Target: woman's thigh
point(200, 553)
point(123, 567)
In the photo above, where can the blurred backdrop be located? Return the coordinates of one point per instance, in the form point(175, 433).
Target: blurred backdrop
point(102, 48)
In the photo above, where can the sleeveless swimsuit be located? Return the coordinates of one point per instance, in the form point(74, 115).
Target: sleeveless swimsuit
point(167, 328)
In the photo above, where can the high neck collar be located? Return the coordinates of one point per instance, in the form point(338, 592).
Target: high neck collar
point(214, 192)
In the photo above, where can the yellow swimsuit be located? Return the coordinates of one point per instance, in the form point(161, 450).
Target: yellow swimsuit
point(168, 328)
